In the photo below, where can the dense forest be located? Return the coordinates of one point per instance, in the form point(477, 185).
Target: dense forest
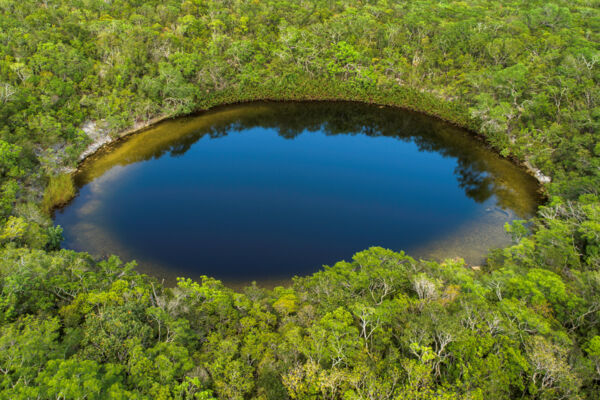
point(523, 74)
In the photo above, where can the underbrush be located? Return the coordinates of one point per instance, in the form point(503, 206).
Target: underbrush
point(59, 191)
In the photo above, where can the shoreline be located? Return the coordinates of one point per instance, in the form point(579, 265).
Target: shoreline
point(141, 127)
point(107, 138)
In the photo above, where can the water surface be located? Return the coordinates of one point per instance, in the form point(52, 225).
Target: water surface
point(266, 191)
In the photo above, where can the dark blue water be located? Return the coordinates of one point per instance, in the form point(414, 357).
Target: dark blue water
point(238, 195)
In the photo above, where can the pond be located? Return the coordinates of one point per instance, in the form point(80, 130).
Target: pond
point(265, 191)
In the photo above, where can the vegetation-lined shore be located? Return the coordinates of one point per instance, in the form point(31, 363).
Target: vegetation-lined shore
point(479, 175)
point(317, 91)
point(525, 75)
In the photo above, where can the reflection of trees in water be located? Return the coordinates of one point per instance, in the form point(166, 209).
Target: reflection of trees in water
point(480, 173)
point(182, 144)
point(477, 184)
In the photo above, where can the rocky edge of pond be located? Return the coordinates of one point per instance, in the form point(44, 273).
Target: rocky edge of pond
point(101, 136)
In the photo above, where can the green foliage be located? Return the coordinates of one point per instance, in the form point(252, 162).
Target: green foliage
point(525, 75)
point(9, 160)
point(55, 237)
point(8, 192)
point(593, 349)
point(14, 230)
point(59, 191)
point(26, 346)
point(78, 379)
point(413, 329)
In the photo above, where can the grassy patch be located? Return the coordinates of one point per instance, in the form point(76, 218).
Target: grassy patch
point(59, 191)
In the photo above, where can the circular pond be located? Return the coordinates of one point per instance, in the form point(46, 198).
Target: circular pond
point(266, 191)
